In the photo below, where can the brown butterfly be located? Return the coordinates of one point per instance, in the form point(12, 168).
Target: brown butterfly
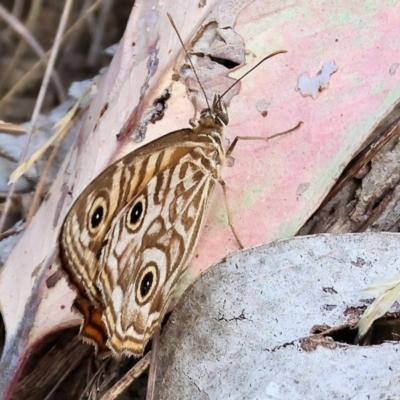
point(132, 232)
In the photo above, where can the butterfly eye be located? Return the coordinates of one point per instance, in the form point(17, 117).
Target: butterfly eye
point(136, 213)
point(97, 213)
point(147, 284)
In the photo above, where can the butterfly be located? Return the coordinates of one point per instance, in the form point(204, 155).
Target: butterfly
point(132, 232)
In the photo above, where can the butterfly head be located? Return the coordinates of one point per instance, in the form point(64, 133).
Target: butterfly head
point(216, 114)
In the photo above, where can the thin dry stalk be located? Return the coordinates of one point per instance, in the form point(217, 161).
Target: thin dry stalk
point(151, 383)
point(100, 29)
point(128, 378)
point(39, 102)
point(16, 25)
point(31, 73)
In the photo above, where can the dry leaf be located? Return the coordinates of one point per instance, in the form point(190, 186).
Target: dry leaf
point(386, 293)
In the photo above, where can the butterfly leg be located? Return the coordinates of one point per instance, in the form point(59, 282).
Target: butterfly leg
point(228, 212)
point(237, 138)
point(223, 184)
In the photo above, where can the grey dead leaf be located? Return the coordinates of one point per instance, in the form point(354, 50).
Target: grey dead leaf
point(11, 145)
point(9, 240)
point(241, 331)
point(63, 128)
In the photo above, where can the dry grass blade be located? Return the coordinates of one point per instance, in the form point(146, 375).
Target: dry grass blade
point(12, 231)
point(100, 29)
point(63, 124)
point(39, 101)
point(386, 292)
point(42, 181)
point(49, 369)
point(16, 25)
point(25, 29)
point(96, 381)
point(29, 25)
point(128, 378)
point(8, 127)
point(153, 365)
point(55, 387)
point(27, 77)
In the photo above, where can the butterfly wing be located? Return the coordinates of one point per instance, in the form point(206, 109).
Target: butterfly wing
point(90, 217)
point(86, 230)
point(149, 244)
point(86, 226)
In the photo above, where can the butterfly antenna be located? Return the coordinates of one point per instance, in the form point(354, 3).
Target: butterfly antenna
point(188, 57)
point(252, 69)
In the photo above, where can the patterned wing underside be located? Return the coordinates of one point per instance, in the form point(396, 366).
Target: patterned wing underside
point(78, 244)
point(176, 180)
point(114, 188)
point(176, 200)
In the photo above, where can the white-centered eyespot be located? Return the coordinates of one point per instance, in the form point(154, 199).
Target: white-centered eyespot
point(136, 213)
point(147, 283)
point(97, 214)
